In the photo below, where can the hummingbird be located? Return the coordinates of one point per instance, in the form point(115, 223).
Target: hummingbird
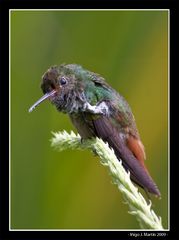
point(97, 110)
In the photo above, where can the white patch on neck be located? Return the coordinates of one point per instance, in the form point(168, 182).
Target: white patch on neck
point(101, 108)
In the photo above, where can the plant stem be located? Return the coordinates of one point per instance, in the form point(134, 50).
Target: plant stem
point(137, 204)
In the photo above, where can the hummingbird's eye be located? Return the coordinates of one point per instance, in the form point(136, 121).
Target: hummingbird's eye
point(63, 81)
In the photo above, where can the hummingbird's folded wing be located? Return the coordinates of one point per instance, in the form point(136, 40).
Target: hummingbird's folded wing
point(109, 133)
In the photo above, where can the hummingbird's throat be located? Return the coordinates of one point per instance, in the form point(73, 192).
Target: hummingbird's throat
point(44, 97)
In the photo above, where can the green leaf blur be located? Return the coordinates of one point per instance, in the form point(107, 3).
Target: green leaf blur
point(71, 190)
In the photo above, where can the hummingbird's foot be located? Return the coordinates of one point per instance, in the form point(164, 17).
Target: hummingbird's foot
point(101, 108)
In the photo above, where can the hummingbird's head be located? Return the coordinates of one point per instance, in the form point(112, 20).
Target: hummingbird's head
point(62, 85)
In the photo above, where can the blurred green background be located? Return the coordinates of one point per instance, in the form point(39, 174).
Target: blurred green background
point(71, 189)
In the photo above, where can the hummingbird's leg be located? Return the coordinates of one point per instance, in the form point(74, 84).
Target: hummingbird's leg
point(101, 108)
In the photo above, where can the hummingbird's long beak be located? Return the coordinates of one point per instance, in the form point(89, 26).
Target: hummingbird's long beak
point(44, 97)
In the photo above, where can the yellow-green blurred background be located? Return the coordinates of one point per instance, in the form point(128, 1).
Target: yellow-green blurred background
point(71, 189)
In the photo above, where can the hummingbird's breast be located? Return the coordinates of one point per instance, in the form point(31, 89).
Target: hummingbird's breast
point(83, 123)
